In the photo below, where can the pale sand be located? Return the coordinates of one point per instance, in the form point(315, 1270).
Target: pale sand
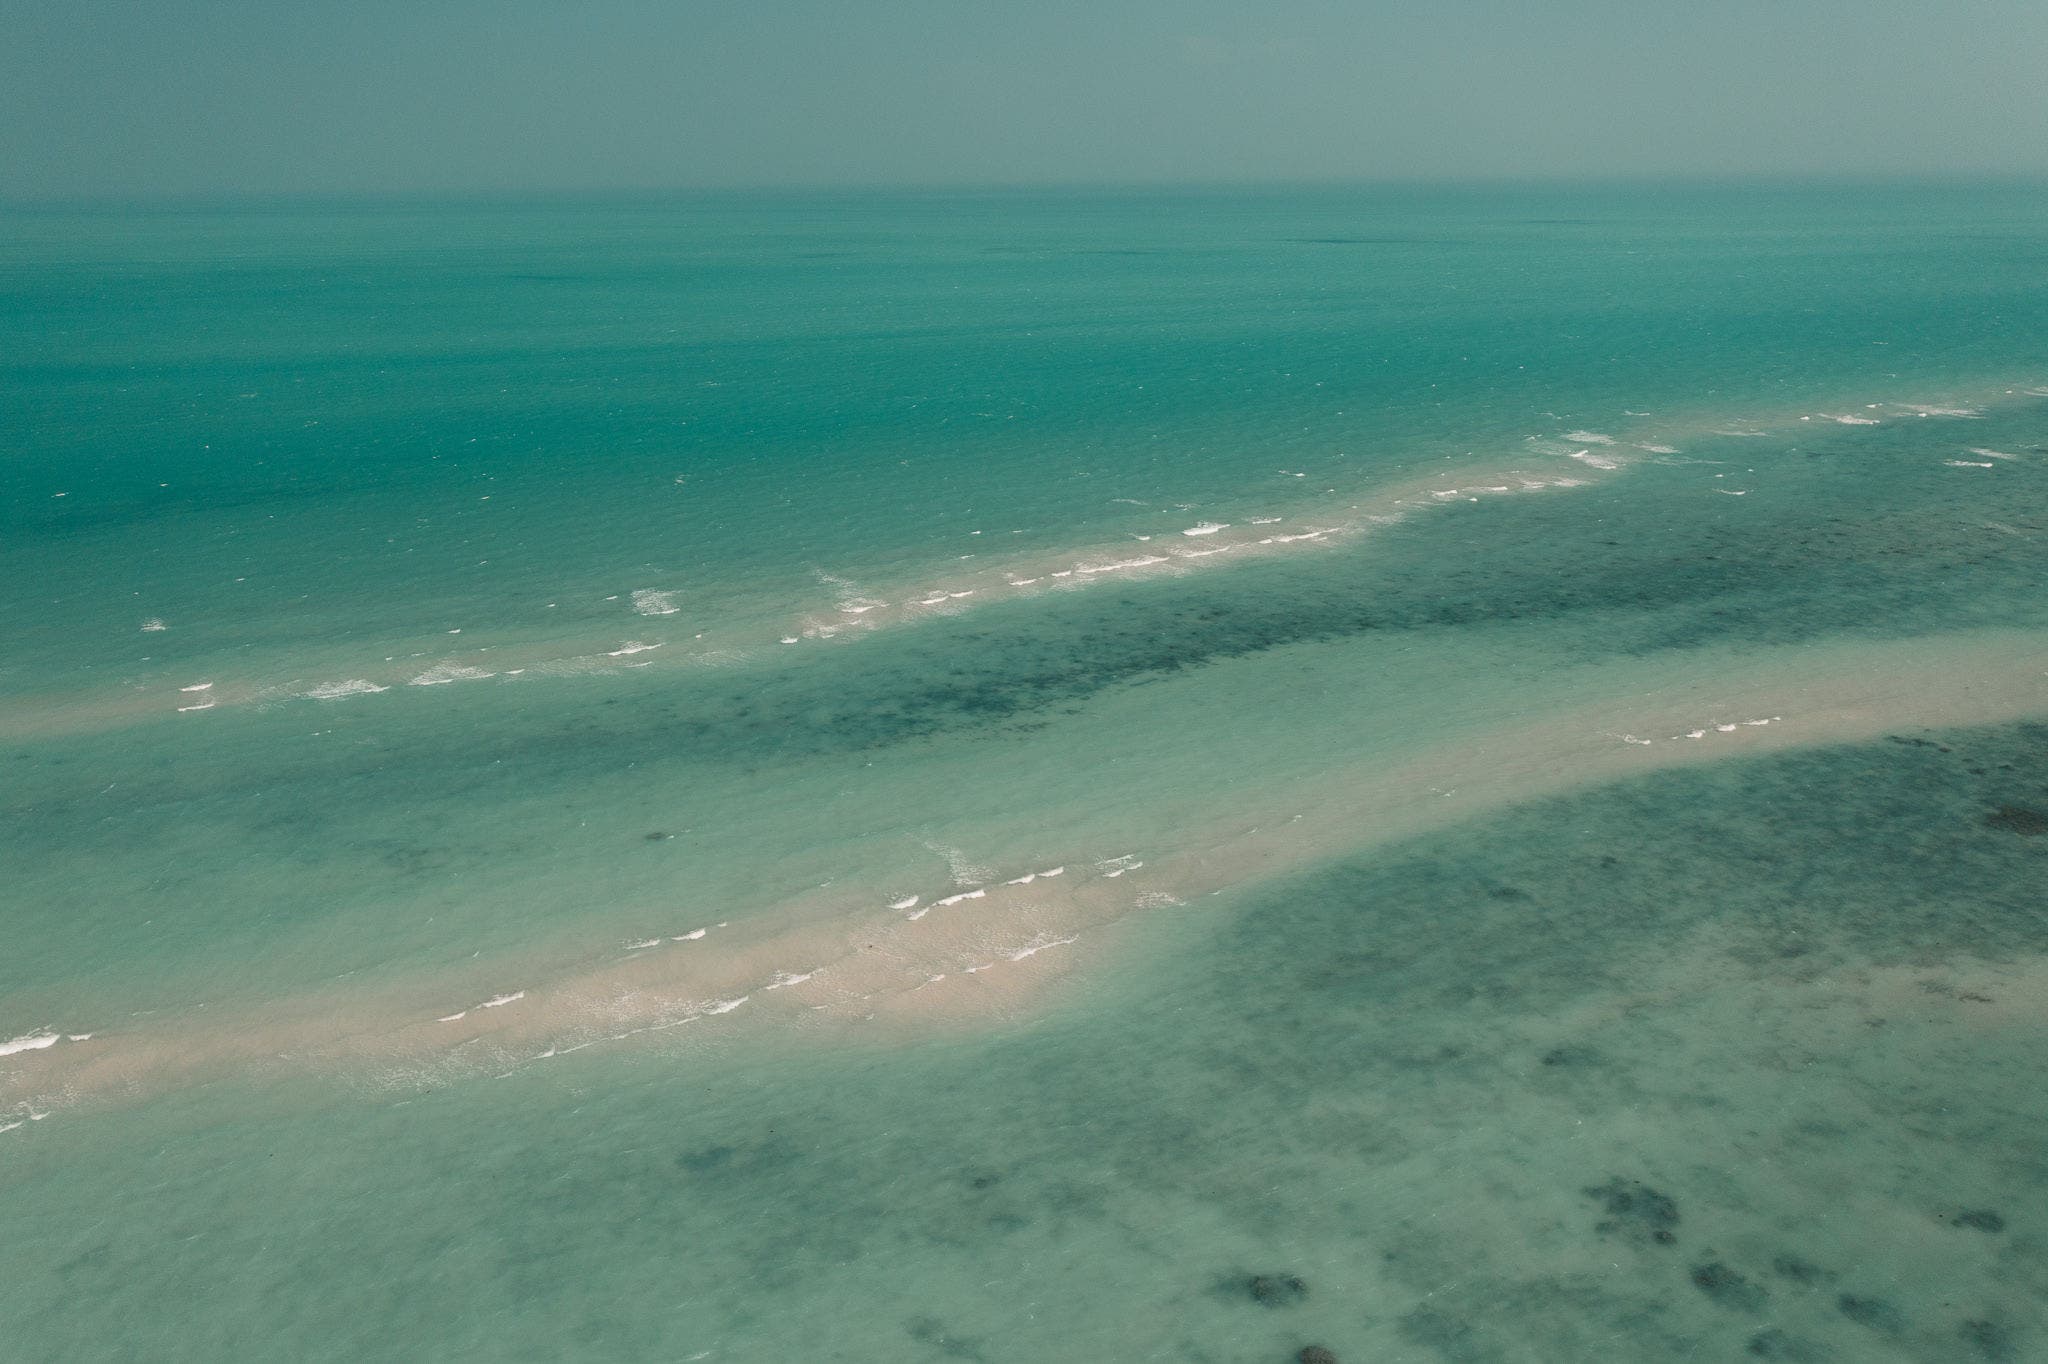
point(667, 642)
point(870, 971)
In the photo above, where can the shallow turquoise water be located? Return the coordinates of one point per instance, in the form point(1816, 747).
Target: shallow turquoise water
point(1779, 1009)
point(1406, 1082)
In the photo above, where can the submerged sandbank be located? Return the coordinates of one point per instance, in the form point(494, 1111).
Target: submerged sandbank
point(853, 961)
point(672, 627)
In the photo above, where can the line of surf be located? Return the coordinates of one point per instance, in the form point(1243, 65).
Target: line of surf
point(668, 633)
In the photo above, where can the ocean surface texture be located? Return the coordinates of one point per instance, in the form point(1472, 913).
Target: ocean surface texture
point(1449, 776)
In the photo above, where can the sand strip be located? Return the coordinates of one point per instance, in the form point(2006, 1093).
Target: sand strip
point(865, 963)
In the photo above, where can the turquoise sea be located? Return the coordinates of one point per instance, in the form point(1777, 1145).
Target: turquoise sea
point(1451, 774)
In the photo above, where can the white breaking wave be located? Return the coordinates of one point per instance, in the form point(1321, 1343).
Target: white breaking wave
point(851, 599)
point(444, 673)
point(648, 602)
point(1924, 410)
point(1119, 566)
point(1035, 948)
point(334, 691)
point(35, 1041)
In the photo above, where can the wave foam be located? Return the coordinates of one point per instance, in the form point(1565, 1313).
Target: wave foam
point(1034, 948)
point(334, 691)
point(444, 673)
point(1927, 410)
point(34, 1041)
point(965, 871)
point(648, 602)
point(1119, 566)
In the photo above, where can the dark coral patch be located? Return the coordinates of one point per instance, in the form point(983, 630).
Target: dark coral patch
point(1728, 1286)
point(1875, 1313)
point(1989, 1340)
point(1636, 1210)
point(1776, 1344)
point(1276, 1290)
point(2019, 819)
point(1797, 1270)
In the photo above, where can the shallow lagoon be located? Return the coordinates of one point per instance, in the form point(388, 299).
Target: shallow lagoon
point(1417, 1036)
point(1731, 1059)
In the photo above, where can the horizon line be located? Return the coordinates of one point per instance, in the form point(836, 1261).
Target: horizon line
point(1760, 180)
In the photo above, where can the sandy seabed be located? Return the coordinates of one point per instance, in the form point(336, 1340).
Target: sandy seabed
point(849, 964)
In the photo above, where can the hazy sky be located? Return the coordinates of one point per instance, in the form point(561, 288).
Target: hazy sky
point(170, 96)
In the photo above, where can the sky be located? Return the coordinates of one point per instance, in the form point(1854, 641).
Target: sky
point(118, 98)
